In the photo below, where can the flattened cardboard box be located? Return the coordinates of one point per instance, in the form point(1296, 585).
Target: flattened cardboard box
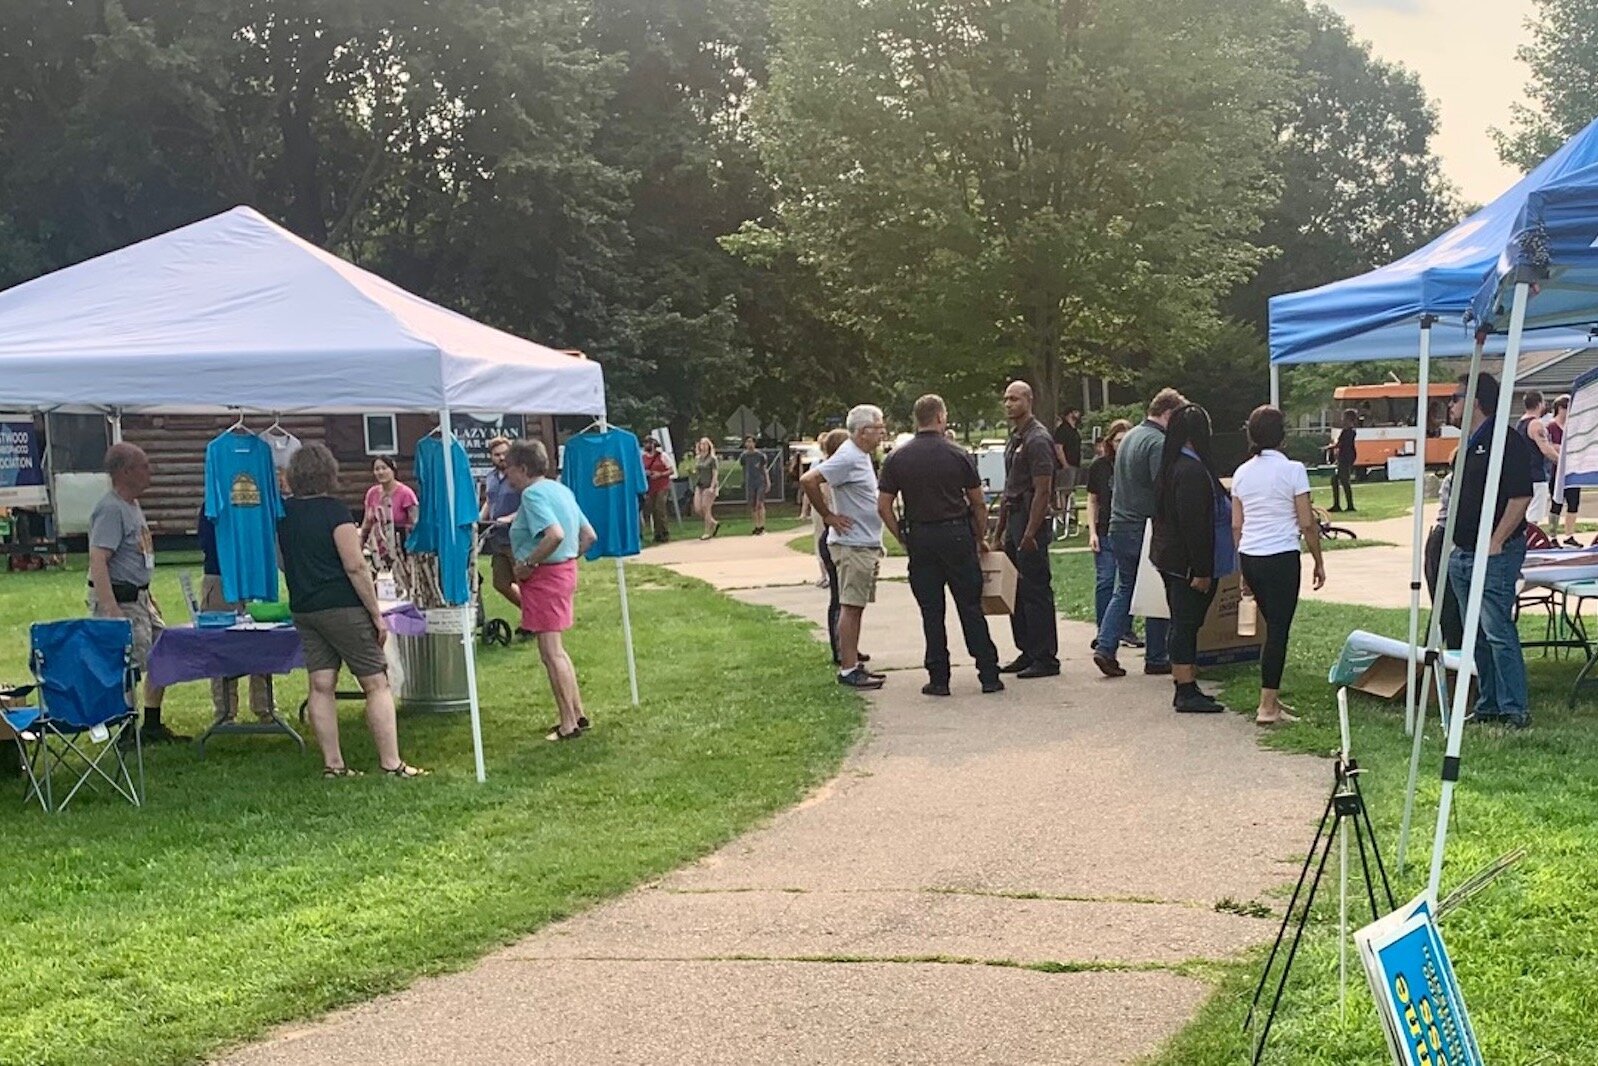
point(998, 583)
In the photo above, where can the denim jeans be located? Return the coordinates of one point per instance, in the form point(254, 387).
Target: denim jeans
point(1127, 549)
point(1500, 665)
point(1104, 583)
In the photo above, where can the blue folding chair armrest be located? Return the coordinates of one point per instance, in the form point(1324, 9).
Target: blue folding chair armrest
point(20, 719)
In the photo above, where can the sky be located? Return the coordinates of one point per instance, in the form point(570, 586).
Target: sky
point(1464, 53)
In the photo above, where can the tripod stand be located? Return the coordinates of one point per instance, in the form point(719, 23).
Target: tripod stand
point(1346, 803)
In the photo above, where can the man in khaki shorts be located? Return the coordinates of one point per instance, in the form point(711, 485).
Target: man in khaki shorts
point(121, 563)
point(854, 533)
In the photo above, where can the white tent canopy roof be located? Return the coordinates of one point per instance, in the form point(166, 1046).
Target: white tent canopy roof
point(234, 311)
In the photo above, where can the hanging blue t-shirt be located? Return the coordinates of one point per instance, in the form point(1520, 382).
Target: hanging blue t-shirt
point(605, 471)
point(437, 531)
point(547, 503)
point(241, 497)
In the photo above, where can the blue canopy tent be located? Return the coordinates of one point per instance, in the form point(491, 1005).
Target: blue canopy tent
point(1465, 293)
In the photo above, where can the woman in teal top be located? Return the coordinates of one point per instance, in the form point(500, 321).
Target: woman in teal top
point(547, 535)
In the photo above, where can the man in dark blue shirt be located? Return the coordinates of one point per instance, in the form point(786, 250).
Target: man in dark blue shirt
point(1500, 666)
point(500, 501)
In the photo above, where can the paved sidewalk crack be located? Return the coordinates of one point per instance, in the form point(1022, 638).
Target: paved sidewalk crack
point(1186, 968)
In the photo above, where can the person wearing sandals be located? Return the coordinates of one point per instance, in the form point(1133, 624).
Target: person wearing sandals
point(1270, 511)
point(547, 535)
point(1191, 546)
point(706, 485)
point(336, 611)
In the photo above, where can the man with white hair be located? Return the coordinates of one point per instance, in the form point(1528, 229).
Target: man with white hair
point(854, 532)
point(121, 563)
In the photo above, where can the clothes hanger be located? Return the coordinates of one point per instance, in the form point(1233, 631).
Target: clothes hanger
point(276, 428)
point(238, 426)
point(599, 423)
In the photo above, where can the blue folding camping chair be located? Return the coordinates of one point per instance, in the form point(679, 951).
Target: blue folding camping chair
point(83, 712)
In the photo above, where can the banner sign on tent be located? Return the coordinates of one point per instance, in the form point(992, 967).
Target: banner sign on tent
point(475, 431)
point(22, 482)
point(1578, 451)
point(1417, 996)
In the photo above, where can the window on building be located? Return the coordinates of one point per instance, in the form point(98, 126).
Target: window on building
point(382, 435)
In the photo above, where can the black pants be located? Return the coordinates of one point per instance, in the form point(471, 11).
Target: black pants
point(1453, 629)
point(833, 607)
point(1032, 623)
point(944, 555)
point(1274, 580)
point(1344, 477)
point(1188, 608)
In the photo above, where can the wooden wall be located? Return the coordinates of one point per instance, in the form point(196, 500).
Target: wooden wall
point(176, 446)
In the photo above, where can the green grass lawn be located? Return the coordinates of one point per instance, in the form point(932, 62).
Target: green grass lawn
point(250, 892)
point(1373, 500)
point(1526, 949)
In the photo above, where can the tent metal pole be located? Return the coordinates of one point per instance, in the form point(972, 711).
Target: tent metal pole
point(447, 435)
point(627, 628)
point(1478, 579)
point(1418, 540)
point(115, 419)
point(1434, 638)
point(1276, 386)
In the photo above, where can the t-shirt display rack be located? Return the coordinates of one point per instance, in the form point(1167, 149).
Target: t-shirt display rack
point(603, 425)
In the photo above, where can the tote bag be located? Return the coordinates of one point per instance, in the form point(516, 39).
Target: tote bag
point(1148, 594)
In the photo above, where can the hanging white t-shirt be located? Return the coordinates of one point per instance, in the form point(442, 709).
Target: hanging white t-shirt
point(283, 445)
point(1268, 486)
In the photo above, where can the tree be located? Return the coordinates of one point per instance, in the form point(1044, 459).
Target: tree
point(1041, 184)
point(1360, 184)
point(1563, 57)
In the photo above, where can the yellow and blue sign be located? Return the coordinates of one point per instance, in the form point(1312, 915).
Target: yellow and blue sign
point(1417, 994)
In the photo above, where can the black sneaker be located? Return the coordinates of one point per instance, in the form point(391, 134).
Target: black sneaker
point(1197, 703)
point(1130, 641)
point(935, 688)
point(992, 685)
point(860, 677)
point(160, 734)
point(1040, 669)
point(1157, 669)
point(1108, 665)
point(1016, 665)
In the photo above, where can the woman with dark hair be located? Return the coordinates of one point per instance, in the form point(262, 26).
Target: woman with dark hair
point(390, 513)
point(1270, 511)
point(1189, 503)
point(336, 612)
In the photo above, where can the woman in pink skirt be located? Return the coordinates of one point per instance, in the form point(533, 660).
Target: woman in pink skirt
point(547, 535)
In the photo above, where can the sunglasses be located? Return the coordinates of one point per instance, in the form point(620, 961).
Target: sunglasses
point(1457, 397)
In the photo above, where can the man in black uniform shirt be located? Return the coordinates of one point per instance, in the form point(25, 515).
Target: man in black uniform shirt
point(1025, 533)
point(944, 527)
point(1068, 454)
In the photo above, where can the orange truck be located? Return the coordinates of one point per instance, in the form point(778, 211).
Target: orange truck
point(1387, 417)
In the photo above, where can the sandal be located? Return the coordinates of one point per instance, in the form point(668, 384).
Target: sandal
point(406, 770)
point(331, 773)
point(556, 734)
point(582, 724)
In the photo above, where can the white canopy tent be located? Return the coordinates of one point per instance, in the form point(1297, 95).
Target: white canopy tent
point(236, 313)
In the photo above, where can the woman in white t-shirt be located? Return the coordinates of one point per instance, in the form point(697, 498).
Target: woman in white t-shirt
point(1270, 509)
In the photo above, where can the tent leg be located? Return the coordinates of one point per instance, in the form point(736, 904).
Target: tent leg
point(1418, 540)
point(1478, 578)
point(447, 433)
point(1434, 639)
point(1276, 386)
point(627, 628)
point(116, 425)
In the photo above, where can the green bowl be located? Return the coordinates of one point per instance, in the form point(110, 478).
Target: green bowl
point(268, 612)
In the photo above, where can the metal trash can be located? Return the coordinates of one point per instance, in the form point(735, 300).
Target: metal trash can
point(434, 664)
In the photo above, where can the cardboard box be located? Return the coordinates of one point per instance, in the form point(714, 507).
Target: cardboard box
point(1218, 642)
point(998, 583)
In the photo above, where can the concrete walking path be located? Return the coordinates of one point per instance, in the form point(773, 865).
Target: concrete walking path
point(1013, 878)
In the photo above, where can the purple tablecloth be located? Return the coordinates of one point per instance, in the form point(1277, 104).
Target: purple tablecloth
point(185, 653)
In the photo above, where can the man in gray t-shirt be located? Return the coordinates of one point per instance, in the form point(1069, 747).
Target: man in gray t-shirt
point(121, 564)
point(854, 532)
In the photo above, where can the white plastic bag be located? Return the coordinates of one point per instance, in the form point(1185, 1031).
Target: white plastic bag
point(1148, 594)
point(396, 665)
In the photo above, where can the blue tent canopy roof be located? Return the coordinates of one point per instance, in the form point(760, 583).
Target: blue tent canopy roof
point(1460, 278)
